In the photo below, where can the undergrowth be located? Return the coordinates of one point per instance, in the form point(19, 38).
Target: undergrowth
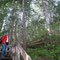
point(49, 51)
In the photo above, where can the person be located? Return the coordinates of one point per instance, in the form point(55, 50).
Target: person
point(4, 40)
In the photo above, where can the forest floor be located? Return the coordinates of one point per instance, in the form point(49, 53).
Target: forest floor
point(45, 52)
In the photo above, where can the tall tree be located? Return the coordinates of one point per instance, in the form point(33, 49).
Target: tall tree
point(47, 14)
point(23, 26)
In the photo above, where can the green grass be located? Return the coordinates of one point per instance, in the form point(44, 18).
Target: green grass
point(50, 51)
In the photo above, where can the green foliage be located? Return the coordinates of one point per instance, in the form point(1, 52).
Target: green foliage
point(2, 33)
point(58, 7)
point(50, 51)
point(21, 57)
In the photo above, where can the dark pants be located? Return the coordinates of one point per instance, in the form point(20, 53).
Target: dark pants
point(4, 46)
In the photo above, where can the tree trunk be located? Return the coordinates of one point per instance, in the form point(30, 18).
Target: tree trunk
point(47, 14)
point(23, 27)
point(11, 31)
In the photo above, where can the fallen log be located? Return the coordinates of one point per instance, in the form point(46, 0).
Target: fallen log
point(39, 43)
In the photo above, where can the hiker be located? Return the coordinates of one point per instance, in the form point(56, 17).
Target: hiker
point(4, 40)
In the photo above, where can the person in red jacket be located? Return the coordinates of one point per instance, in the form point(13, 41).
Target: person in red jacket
point(4, 40)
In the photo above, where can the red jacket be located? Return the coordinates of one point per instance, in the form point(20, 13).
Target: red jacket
point(4, 39)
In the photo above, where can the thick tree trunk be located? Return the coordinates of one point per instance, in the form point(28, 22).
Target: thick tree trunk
point(17, 50)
